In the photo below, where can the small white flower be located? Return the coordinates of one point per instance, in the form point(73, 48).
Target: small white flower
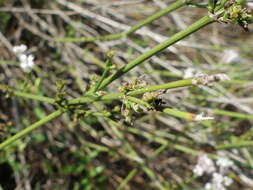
point(26, 61)
point(19, 49)
point(204, 165)
point(22, 58)
point(201, 117)
point(218, 182)
point(227, 181)
point(24, 66)
point(217, 179)
point(30, 60)
point(198, 170)
point(224, 162)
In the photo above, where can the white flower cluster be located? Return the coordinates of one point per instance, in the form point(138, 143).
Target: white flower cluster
point(206, 166)
point(224, 163)
point(218, 182)
point(26, 61)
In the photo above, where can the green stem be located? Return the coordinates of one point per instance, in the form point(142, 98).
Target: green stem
point(11, 91)
point(176, 84)
point(112, 96)
point(235, 145)
point(132, 173)
point(92, 39)
point(107, 69)
point(233, 114)
point(179, 114)
point(30, 128)
point(168, 9)
point(172, 40)
point(105, 73)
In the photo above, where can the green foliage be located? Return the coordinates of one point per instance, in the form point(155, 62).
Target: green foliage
point(96, 129)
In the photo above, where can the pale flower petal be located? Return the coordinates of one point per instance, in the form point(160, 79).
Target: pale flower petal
point(22, 58)
point(227, 181)
point(19, 49)
point(224, 162)
point(204, 165)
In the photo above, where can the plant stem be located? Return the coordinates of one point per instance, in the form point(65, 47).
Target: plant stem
point(105, 73)
point(11, 91)
point(176, 84)
point(107, 69)
point(92, 39)
point(168, 9)
point(172, 40)
point(131, 174)
point(30, 128)
point(234, 145)
point(112, 96)
point(233, 114)
point(180, 114)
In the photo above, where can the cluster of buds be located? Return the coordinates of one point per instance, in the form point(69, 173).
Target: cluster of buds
point(128, 108)
point(151, 96)
point(26, 61)
point(94, 78)
point(235, 13)
point(207, 80)
point(135, 85)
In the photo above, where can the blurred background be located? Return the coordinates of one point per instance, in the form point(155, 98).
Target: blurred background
point(157, 151)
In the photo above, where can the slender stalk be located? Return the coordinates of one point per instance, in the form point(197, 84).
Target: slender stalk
point(185, 149)
point(92, 39)
point(11, 91)
point(105, 73)
point(180, 114)
point(160, 47)
point(235, 145)
point(157, 15)
point(233, 114)
point(107, 69)
point(159, 150)
point(172, 7)
point(30, 128)
point(131, 174)
point(176, 84)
